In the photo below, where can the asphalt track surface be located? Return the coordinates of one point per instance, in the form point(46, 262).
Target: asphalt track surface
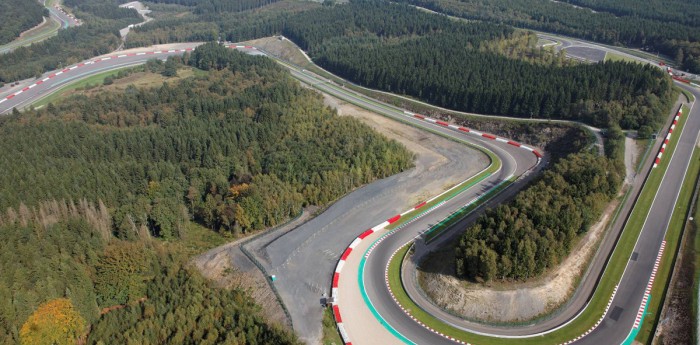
point(624, 309)
point(52, 81)
point(304, 275)
point(614, 328)
point(625, 306)
point(56, 15)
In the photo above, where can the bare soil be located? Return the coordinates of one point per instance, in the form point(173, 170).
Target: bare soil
point(229, 268)
point(281, 48)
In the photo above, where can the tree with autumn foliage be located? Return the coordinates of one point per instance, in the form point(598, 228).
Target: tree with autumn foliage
point(55, 322)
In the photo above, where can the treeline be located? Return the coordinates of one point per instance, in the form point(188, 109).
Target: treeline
point(239, 150)
point(435, 59)
point(535, 231)
point(232, 26)
point(218, 6)
point(62, 278)
point(450, 63)
point(18, 16)
point(98, 35)
point(669, 27)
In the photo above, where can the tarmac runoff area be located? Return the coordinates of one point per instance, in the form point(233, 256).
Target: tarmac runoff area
point(303, 260)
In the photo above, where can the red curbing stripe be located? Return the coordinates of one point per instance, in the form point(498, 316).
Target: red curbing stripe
point(39, 82)
point(666, 141)
point(442, 123)
point(393, 219)
point(81, 64)
point(675, 122)
point(365, 234)
point(25, 89)
point(336, 276)
point(420, 205)
point(463, 129)
point(346, 254)
point(150, 53)
point(52, 75)
point(10, 96)
point(537, 153)
point(658, 160)
point(662, 150)
point(66, 70)
point(419, 116)
point(490, 136)
point(513, 143)
point(248, 47)
point(189, 49)
point(336, 313)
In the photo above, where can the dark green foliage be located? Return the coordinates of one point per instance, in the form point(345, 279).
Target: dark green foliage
point(98, 35)
point(17, 16)
point(431, 57)
point(668, 27)
point(181, 308)
point(42, 263)
point(218, 6)
point(243, 149)
point(522, 238)
point(131, 292)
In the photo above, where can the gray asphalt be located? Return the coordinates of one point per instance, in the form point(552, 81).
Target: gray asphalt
point(615, 328)
point(632, 285)
point(304, 259)
point(27, 97)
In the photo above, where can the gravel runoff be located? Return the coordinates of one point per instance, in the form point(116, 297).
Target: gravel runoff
point(303, 259)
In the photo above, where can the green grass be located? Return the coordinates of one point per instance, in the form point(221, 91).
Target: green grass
point(436, 230)
point(687, 94)
point(595, 309)
point(696, 279)
point(617, 57)
point(330, 332)
point(47, 30)
point(673, 238)
point(93, 80)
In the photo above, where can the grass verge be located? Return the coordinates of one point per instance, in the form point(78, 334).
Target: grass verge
point(617, 57)
point(436, 230)
point(601, 296)
point(673, 237)
point(330, 331)
point(696, 276)
point(91, 81)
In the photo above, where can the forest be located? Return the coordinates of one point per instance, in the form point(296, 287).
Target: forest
point(522, 238)
point(219, 6)
point(18, 16)
point(66, 277)
point(98, 35)
point(449, 63)
point(435, 59)
point(669, 27)
point(243, 149)
point(102, 207)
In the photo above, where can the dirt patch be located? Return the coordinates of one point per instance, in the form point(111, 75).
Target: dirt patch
point(631, 158)
point(228, 267)
point(512, 302)
point(282, 48)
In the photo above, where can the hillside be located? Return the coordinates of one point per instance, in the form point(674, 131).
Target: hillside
point(100, 208)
